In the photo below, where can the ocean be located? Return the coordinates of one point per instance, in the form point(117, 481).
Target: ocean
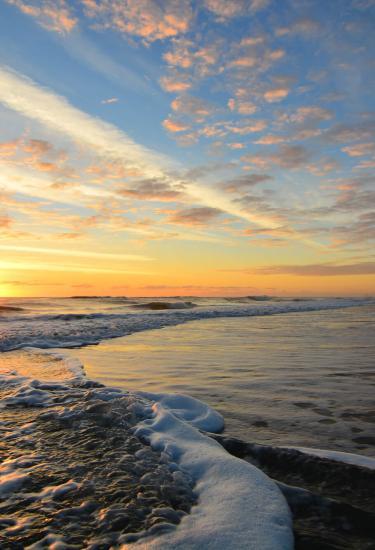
point(281, 371)
point(276, 373)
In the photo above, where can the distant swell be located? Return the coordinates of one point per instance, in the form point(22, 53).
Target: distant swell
point(165, 305)
point(76, 330)
point(10, 309)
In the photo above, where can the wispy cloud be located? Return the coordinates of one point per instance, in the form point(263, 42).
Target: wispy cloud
point(320, 270)
point(227, 9)
point(29, 283)
point(195, 216)
point(110, 100)
point(287, 156)
point(65, 268)
point(360, 149)
point(58, 114)
point(75, 253)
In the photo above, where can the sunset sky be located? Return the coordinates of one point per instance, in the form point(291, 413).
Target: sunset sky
point(217, 147)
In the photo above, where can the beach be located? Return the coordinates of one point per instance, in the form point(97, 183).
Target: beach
point(111, 445)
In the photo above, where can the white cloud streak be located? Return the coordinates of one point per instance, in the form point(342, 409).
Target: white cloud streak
point(23, 96)
point(36, 266)
point(76, 253)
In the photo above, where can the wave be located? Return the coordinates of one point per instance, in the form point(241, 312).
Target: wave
point(5, 309)
point(260, 298)
point(125, 468)
point(75, 330)
point(165, 305)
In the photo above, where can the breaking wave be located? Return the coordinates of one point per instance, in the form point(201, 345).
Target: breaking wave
point(68, 330)
point(165, 305)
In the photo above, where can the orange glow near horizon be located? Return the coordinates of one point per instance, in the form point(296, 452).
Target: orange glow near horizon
point(273, 285)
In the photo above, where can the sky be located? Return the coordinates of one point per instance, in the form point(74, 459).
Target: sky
point(180, 147)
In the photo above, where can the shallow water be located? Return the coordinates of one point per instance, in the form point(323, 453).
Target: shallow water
point(303, 379)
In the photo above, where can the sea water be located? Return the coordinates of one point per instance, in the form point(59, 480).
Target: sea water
point(286, 372)
point(300, 379)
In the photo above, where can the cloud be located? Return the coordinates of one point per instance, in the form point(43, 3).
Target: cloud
point(270, 140)
point(54, 15)
point(323, 166)
point(259, 203)
point(311, 113)
point(287, 156)
point(155, 189)
point(227, 9)
point(63, 268)
point(257, 5)
point(305, 26)
point(236, 145)
point(145, 19)
point(247, 127)
point(202, 59)
point(291, 156)
point(276, 94)
point(361, 131)
point(8, 148)
point(180, 55)
point(110, 100)
point(245, 61)
point(85, 50)
point(69, 235)
point(29, 283)
point(242, 107)
point(57, 114)
point(192, 106)
point(306, 133)
point(355, 198)
point(244, 182)
point(195, 216)
point(359, 231)
point(360, 149)
point(319, 270)
point(173, 125)
point(175, 83)
point(5, 221)
point(37, 147)
point(31, 153)
point(74, 253)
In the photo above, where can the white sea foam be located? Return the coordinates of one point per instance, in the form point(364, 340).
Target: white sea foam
point(190, 410)
point(238, 505)
point(339, 456)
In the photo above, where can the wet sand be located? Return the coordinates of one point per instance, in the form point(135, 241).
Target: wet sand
point(73, 474)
